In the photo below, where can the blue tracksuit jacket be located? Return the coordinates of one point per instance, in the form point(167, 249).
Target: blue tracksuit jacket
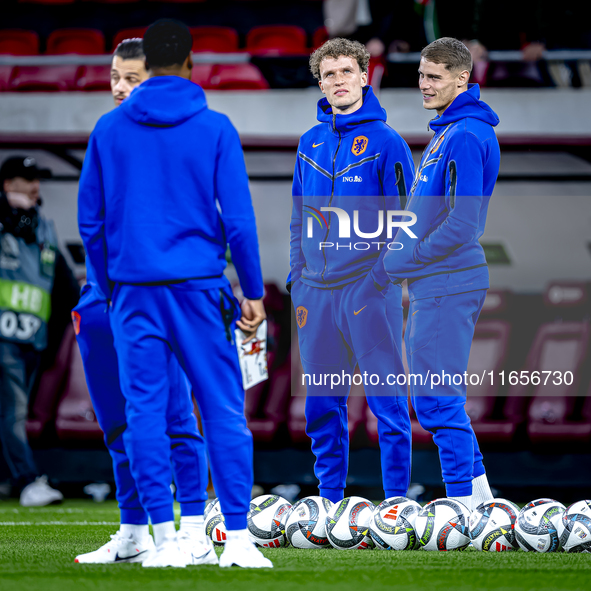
point(340, 161)
point(450, 196)
point(198, 160)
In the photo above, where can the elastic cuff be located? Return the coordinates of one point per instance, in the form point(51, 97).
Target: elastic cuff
point(399, 492)
point(235, 521)
point(478, 469)
point(134, 516)
point(191, 509)
point(335, 495)
point(161, 514)
point(459, 489)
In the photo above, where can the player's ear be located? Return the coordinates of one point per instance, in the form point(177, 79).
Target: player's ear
point(463, 78)
point(321, 86)
point(363, 79)
point(190, 61)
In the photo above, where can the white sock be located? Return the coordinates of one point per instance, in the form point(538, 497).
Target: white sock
point(137, 532)
point(480, 490)
point(237, 534)
point(163, 531)
point(192, 523)
point(465, 500)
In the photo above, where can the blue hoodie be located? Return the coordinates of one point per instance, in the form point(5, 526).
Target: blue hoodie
point(356, 163)
point(155, 172)
point(450, 196)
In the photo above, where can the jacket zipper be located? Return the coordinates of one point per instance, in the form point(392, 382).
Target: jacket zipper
point(334, 159)
point(400, 184)
point(453, 181)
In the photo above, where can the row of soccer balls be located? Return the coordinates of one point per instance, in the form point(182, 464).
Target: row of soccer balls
point(398, 523)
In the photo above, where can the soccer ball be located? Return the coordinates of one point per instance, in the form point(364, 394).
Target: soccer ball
point(443, 525)
point(492, 526)
point(347, 524)
point(539, 526)
point(577, 527)
point(392, 524)
point(306, 523)
point(215, 526)
point(266, 520)
point(213, 505)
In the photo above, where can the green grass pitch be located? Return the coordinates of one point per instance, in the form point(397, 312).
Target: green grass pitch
point(38, 546)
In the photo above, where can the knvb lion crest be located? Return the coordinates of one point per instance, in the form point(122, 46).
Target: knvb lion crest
point(359, 145)
point(301, 316)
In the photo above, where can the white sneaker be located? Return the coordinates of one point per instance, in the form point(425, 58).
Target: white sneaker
point(198, 547)
point(119, 549)
point(40, 494)
point(243, 553)
point(168, 554)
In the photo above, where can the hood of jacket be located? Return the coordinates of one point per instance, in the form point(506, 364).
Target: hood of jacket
point(164, 101)
point(467, 104)
point(370, 110)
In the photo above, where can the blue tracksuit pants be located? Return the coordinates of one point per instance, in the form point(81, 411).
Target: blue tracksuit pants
point(438, 338)
point(338, 329)
point(151, 324)
point(101, 367)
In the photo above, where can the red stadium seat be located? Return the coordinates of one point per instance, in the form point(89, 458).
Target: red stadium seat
point(132, 33)
point(201, 74)
point(94, 78)
point(319, 37)
point(277, 40)
point(560, 347)
point(44, 78)
point(19, 42)
point(43, 410)
point(47, 1)
point(488, 353)
point(79, 41)
point(112, 1)
point(214, 39)
point(5, 75)
point(238, 77)
point(563, 295)
point(75, 421)
point(273, 411)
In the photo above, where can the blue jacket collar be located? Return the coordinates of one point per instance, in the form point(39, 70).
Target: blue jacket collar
point(164, 101)
point(370, 110)
point(467, 104)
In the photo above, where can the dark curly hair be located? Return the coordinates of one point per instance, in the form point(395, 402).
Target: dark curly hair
point(336, 48)
point(167, 43)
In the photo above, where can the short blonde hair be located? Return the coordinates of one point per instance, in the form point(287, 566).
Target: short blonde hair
point(450, 52)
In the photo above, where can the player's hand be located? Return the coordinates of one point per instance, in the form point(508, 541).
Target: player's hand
point(253, 313)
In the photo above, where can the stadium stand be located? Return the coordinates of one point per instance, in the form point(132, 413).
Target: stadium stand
point(237, 77)
point(42, 412)
point(489, 352)
point(276, 40)
point(214, 39)
point(94, 78)
point(44, 78)
point(78, 41)
point(130, 33)
point(18, 42)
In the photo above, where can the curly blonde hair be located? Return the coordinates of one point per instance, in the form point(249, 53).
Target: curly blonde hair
point(336, 48)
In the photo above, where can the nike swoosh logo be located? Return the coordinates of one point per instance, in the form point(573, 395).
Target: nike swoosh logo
point(202, 556)
point(119, 558)
point(316, 145)
point(359, 310)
